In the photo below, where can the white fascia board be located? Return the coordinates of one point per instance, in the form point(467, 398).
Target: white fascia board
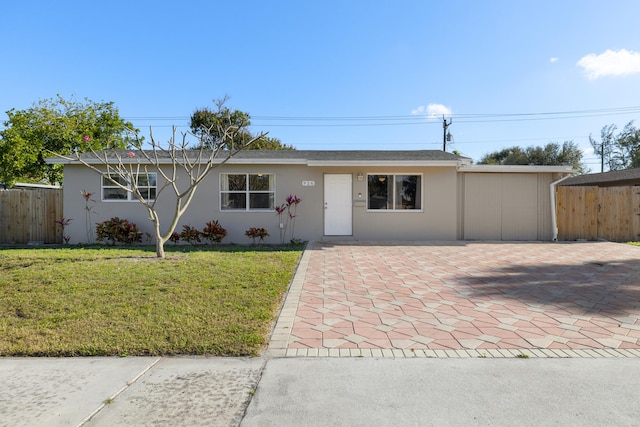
point(94, 161)
point(58, 161)
point(27, 185)
point(383, 163)
point(516, 169)
point(264, 161)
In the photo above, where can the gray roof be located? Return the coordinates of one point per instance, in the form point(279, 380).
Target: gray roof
point(348, 155)
point(307, 156)
point(613, 177)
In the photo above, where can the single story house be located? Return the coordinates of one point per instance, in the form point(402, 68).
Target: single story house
point(345, 195)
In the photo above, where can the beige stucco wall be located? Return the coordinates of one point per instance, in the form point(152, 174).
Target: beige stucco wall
point(436, 221)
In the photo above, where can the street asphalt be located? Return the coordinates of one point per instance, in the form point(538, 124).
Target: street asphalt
point(200, 391)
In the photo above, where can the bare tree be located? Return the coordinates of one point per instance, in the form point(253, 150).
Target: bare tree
point(127, 170)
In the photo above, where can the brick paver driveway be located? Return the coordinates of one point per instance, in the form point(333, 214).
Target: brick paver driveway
point(464, 295)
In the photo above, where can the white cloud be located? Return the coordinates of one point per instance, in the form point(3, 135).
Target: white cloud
point(432, 111)
point(554, 59)
point(418, 111)
point(610, 63)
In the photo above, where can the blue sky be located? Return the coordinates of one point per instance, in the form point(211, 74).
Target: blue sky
point(339, 74)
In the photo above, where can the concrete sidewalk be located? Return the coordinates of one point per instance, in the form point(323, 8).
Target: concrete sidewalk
point(131, 391)
point(351, 391)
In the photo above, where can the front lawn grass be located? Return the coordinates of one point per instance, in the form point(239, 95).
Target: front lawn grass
point(90, 301)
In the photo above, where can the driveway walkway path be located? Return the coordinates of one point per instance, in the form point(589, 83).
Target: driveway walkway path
point(464, 297)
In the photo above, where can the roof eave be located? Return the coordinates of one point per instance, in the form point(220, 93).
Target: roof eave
point(241, 161)
point(168, 161)
point(516, 169)
point(386, 163)
point(58, 161)
point(299, 161)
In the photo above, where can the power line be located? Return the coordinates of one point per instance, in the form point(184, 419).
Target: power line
point(404, 120)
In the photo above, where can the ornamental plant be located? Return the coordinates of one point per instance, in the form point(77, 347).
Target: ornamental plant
point(191, 234)
point(256, 233)
point(116, 230)
point(63, 222)
point(175, 237)
point(288, 211)
point(280, 211)
point(88, 210)
point(214, 232)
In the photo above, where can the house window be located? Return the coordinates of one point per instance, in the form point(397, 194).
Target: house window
point(247, 191)
point(146, 183)
point(394, 192)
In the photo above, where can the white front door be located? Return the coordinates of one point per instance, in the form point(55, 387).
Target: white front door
point(337, 205)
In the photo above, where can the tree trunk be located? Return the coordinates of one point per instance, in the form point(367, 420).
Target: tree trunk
point(159, 247)
point(159, 240)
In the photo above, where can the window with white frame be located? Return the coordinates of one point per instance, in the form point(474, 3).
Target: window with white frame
point(394, 192)
point(247, 191)
point(146, 183)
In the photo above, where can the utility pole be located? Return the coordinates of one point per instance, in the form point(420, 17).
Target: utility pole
point(445, 136)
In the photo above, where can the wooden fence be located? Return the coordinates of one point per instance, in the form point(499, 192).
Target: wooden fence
point(29, 215)
point(591, 213)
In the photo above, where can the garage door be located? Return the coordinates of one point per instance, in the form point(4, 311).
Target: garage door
point(501, 206)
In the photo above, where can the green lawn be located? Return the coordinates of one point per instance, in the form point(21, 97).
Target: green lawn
point(85, 301)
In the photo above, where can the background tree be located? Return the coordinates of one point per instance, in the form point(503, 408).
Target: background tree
point(179, 170)
point(552, 154)
point(205, 122)
point(60, 126)
point(618, 151)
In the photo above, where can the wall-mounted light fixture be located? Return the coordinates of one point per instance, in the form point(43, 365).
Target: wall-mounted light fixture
point(360, 176)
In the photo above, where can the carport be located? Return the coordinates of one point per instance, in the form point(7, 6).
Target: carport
point(507, 202)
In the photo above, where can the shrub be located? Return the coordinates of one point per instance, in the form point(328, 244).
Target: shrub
point(116, 230)
point(214, 232)
point(288, 210)
point(255, 233)
point(191, 234)
point(63, 222)
point(175, 237)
